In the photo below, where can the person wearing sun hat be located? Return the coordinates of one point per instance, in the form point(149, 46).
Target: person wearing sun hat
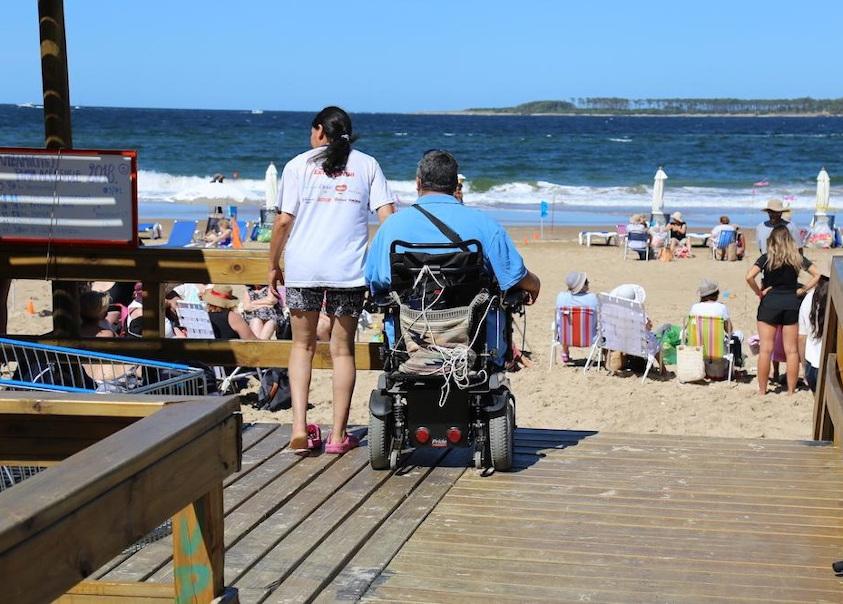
point(576, 295)
point(678, 230)
point(227, 324)
point(775, 209)
point(709, 306)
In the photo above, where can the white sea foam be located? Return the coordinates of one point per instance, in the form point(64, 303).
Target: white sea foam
point(162, 187)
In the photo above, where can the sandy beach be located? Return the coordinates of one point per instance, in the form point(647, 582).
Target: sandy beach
point(566, 398)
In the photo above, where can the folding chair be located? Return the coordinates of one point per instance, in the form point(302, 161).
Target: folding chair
point(153, 229)
point(181, 234)
point(621, 326)
point(724, 240)
point(710, 333)
point(573, 327)
point(639, 237)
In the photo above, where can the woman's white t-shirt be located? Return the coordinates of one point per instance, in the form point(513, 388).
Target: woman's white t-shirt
point(327, 244)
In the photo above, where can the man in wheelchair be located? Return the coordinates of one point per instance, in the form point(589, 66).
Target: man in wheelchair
point(448, 279)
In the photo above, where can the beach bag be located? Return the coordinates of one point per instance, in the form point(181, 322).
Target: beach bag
point(265, 233)
point(732, 252)
point(615, 360)
point(717, 369)
point(690, 366)
point(670, 339)
point(431, 336)
point(665, 255)
point(274, 393)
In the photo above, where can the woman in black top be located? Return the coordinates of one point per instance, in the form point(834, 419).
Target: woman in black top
point(226, 323)
point(780, 296)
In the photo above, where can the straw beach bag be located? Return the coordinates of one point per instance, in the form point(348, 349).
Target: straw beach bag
point(690, 366)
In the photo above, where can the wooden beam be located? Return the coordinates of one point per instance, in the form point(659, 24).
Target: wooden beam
point(229, 353)
point(46, 403)
point(105, 592)
point(151, 264)
point(90, 524)
point(109, 463)
point(823, 430)
point(198, 549)
point(834, 398)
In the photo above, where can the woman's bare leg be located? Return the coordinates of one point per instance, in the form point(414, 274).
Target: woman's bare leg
point(345, 372)
point(301, 366)
point(256, 325)
point(767, 334)
point(267, 330)
point(790, 338)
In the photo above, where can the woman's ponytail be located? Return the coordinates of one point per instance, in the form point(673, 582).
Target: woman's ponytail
point(336, 124)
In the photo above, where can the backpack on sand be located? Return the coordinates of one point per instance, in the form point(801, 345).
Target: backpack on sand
point(274, 392)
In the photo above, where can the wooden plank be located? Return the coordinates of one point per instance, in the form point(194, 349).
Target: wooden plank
point(104, 591)
point(344, 540)
point(129, 509)
point(265, 464)
point(271, 529)
point(823, 430)
point(116, 405)
point(198, 555)
point(227, 353)
point(61, 426)
point(97, 469)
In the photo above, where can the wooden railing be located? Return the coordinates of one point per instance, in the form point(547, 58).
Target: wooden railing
point(155, 267)
point(828, 400)
point(127, 463)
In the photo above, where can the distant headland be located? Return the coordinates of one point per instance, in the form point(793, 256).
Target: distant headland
point(807, 107)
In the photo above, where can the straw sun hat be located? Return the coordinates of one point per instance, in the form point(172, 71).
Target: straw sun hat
point(707, 287)
point(575, 281)
point(677, 216)
point(221, 296)
point(774, 205)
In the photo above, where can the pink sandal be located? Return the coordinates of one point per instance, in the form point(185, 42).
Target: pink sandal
point(312, 442)
point(349, 442)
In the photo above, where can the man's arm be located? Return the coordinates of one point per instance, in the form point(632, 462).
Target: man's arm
point(280, 232)
point(531, 284)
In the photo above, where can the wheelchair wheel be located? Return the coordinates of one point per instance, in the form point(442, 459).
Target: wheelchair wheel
point(501, 437)
point(380, 442)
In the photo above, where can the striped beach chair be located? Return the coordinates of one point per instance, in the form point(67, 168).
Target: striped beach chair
point(573, 327)
point(710, 333)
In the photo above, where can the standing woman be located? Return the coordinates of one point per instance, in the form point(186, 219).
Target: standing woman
point(322, 228)
point(780, 296)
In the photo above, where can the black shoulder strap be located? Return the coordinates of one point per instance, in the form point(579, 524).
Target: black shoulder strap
point(444, 228)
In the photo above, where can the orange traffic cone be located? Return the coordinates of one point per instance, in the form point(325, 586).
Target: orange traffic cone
point(30, 307)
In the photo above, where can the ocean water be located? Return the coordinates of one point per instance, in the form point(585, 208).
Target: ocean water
point(593, 170)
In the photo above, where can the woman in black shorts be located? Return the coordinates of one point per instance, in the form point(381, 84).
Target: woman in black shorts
point(780, 296)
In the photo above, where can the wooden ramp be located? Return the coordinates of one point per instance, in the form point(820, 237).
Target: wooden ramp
point(586, 517)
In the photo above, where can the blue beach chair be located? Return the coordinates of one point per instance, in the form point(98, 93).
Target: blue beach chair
point(724, 240)
point(153, 229)
point(182, 233)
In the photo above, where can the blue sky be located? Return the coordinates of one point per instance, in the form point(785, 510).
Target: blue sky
point(400, 56)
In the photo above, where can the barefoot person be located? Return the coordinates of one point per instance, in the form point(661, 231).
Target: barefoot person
point(780, 296)
point(325, 196)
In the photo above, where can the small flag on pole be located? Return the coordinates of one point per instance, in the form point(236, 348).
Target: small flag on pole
point(544, 209)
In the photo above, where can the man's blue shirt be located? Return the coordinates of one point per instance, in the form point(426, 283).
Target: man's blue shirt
point(414, 227)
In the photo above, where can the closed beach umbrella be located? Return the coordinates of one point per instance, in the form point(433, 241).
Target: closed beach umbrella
point(823, 191)
point(271, 186)
point(212, 193)
point(658, 191)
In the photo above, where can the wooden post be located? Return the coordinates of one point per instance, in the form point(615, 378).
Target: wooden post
point(198, 550)
point(57, 135)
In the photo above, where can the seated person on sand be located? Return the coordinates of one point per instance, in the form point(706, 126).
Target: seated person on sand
point(93, 307)
point(710, 306)
point(576, 296)
point(222, 236)
point(227, 324)
point(261, 309)
point(638, 224)
point(678, 230)
point(714, 238)
point(436, 181)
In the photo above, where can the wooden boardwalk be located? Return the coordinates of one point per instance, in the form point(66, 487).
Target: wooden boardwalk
point(586, 517)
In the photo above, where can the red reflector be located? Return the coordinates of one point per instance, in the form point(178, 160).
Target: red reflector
point(454, 435)
point(422, 435)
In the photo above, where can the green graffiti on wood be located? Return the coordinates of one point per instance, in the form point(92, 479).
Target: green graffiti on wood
point(191, 578)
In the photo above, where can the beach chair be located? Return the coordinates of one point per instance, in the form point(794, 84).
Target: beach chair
point(621, 326)
point(244, 230)
point(181, 234)
point(153, 229)
point(724, 240)
point(587, 236)
point(710, 333)
point(573, 327)
point(639, 237)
